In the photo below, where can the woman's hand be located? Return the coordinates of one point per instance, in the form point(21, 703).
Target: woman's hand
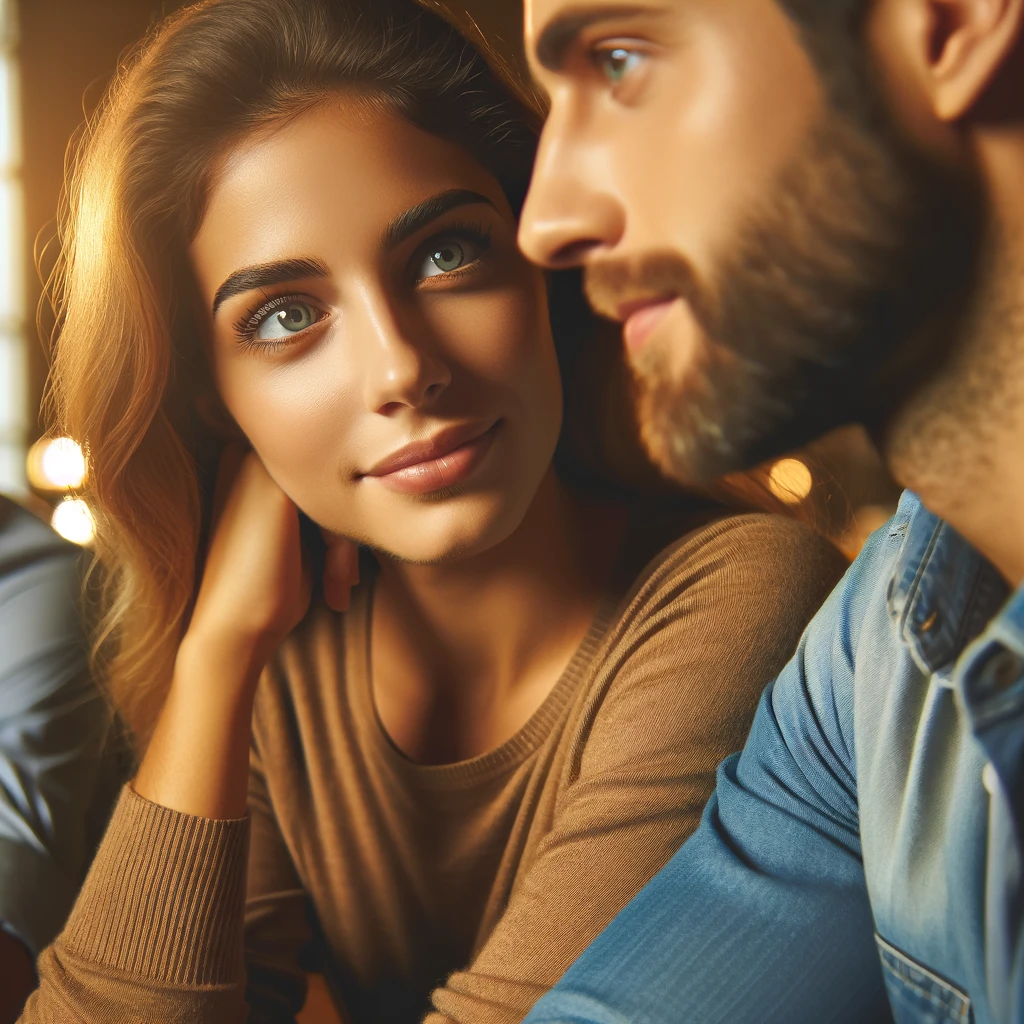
point(254, 591)
point(256, 586)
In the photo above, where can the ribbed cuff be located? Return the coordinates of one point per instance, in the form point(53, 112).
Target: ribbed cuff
point(165, 898)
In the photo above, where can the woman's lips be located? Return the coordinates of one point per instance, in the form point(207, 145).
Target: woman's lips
point(431, 472)
point(641, 319)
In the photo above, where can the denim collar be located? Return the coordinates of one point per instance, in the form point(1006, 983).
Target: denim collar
point(942, 593)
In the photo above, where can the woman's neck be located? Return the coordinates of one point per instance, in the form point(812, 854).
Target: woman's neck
point(464, 653)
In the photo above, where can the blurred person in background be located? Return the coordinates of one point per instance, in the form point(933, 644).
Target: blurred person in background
point(57, 770)
point(294, 225)
point(808, 213)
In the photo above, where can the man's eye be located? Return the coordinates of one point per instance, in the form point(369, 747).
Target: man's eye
point(445, 256)
point(288, 319)
point(617, 62)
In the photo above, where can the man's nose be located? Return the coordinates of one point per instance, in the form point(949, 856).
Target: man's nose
point(569, 213)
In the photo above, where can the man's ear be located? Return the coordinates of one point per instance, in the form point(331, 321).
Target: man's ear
point(956, 48)
point(212, 413)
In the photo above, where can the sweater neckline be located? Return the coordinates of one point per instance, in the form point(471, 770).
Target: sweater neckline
point(511, 753)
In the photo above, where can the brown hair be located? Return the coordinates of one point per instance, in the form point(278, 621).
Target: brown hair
point(127, 366)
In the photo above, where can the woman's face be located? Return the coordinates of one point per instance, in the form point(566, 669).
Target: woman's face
point(375, 332)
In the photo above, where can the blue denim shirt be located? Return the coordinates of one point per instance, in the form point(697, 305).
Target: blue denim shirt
point(862, 857)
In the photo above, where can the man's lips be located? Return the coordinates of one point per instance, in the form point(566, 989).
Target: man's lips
point(442, 461)
point(640, 318)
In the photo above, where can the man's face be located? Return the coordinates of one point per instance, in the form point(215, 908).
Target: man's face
point(765, 240)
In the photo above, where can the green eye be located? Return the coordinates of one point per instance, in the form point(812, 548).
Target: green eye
point(288, 319)
point(618, 62)
point(448, 256)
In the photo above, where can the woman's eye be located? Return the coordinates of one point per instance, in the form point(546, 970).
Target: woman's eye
point(445, 256)
point(617, 62)
point(288, 319)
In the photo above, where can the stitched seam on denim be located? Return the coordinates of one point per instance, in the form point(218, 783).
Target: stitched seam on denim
point(1002, 706)
point(903, 967)
point(910, 638)
point(978, 608)
point(950, 1003)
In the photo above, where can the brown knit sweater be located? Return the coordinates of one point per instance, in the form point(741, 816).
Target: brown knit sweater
point(481, 880)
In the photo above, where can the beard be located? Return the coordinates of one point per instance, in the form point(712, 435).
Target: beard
point(834, 295)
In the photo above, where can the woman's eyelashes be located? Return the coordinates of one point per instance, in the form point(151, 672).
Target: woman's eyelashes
point(277, 321)
point(457, 250)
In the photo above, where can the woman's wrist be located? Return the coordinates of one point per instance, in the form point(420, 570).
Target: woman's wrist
point(236, 654)
point(198, 759)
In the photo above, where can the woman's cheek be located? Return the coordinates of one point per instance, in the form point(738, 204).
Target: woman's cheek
point(495, 335)
point(295, 419)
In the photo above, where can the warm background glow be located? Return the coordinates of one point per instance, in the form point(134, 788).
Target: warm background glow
point(56, 464)
point(791, 481)
point(73, 521)
point(14, 391)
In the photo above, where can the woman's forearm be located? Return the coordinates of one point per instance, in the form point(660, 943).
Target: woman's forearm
point(198, 759)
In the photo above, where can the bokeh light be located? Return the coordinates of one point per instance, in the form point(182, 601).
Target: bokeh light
point(73, 521)
point(56, 464)
point(790, 481)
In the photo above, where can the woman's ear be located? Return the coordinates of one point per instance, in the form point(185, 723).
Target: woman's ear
point(213, 413)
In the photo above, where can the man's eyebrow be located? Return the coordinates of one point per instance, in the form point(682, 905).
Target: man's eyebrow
point(262, 275)
point(561, 32)
point(420, 215)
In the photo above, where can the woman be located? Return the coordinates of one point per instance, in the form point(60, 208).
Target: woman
point(294, 224)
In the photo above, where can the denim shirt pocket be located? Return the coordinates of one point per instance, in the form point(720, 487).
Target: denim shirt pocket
point(918, 995)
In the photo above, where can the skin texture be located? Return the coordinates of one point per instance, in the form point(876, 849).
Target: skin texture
point(393, 360)
point(739, 111)
point(485, 588)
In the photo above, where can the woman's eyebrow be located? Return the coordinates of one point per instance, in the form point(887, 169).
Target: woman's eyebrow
point(420, 215)
point(262, 275)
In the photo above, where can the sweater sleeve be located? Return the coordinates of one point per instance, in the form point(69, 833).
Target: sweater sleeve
point(156, 932)
point(708, 629)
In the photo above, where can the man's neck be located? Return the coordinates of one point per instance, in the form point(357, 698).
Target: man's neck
point(959, 443)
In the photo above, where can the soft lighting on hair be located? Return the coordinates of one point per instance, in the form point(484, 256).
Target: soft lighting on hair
point(56, 464)
point(790, 481)
point(73, 521)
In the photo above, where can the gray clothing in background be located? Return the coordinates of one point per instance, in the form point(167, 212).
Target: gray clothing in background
point(58, 773)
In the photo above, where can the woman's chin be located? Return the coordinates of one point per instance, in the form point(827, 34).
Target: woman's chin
point(445, 539)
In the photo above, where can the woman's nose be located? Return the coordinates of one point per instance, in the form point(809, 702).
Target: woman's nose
point(402, 371)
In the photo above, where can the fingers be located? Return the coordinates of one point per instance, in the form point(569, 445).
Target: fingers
point(341, 571)
point(230, 466)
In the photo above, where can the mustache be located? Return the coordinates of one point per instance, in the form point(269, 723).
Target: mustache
point(611, 284)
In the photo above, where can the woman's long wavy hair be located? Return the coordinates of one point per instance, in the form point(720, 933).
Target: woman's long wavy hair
point(127, 365)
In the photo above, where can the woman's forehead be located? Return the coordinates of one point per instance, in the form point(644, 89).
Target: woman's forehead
point(334, 176)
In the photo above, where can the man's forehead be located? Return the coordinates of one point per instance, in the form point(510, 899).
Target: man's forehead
point(551, 26)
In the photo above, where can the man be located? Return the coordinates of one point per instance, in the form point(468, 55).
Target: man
point(806, 213)
point(58, 778)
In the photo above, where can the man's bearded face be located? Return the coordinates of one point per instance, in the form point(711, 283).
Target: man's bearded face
point(856, 253)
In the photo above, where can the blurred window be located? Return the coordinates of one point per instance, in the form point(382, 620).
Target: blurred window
point(13, 368)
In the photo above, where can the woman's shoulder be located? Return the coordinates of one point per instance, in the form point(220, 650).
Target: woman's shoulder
point(726, 568)
point(735, 546)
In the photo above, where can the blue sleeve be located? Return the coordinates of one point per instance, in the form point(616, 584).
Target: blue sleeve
point(763, 915)
point(53, 727)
